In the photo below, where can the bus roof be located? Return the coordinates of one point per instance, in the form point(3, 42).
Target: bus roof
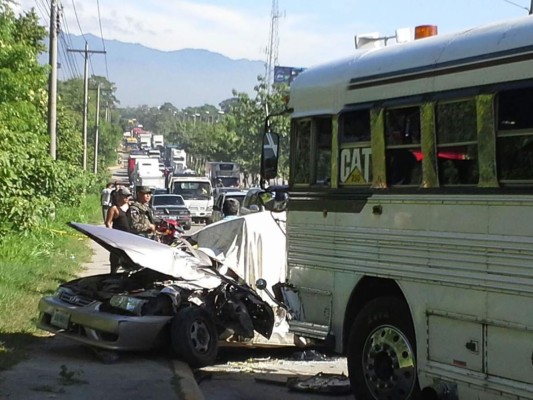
point(503, 50)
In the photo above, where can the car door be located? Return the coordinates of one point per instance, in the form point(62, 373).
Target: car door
point(217, 208)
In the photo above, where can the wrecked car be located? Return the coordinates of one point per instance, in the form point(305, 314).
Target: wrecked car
point(179, 297)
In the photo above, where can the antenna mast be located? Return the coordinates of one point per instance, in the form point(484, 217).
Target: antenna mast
point(272, 49)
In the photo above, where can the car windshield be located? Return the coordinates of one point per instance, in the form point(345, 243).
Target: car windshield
point(228, 182)
point(167, 200)
point(192, 190)
point(239, 197)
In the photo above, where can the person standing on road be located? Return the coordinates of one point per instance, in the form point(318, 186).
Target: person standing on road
point(105, 199)
point(117, 219)
point(114, 193)
point(140, 214)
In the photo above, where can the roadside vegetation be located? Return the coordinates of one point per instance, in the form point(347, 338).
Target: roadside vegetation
point(33, 185)
point(39, 194)
point(32, 264)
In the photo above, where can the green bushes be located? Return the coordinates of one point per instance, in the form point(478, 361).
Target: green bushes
point(32, 184)
point(32, 264)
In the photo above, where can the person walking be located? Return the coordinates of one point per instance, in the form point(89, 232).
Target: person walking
point(140, 214)
point(105, 199)
point(117, 219)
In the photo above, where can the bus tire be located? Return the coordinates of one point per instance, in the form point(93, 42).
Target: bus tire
point(381, 336)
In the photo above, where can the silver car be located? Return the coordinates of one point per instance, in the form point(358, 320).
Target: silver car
point(166, 295)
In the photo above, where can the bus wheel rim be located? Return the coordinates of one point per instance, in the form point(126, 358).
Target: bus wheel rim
point(389, 364)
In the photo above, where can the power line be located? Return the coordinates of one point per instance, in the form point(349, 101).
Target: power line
point(78, 21)
point(520, 6)
point(68, 57)
point(67, 38)
point(102, 36)
point(45, 14)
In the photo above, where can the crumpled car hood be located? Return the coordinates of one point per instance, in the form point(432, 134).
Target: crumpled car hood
point(146, 253)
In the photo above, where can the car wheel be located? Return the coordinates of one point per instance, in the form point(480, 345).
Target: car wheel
point(382, 352)
point(194, 337)
point(187, 227)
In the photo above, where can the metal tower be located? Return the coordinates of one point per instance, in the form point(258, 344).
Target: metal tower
point(272, 49)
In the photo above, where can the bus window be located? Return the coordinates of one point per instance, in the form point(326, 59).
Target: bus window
point(323, 151)
point(355, 126)
point(403, 152)
point(457, 143)
point(355, 152)
point(302, 151)
point(515, 136)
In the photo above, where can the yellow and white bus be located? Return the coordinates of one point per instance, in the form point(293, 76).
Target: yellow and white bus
point(410, 219)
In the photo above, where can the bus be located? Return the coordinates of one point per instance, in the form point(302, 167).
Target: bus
point(409, 224)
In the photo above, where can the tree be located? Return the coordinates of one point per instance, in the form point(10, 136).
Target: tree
point(246, 118)
point(32, 183)
point(110, 133)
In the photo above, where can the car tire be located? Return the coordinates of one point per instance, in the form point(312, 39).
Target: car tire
point(186, 227)
point(194, 337)
point(382, 352)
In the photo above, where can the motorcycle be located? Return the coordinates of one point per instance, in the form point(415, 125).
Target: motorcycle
point(169, 231)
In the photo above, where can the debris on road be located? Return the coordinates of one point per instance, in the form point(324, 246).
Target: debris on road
point(321, 383)
point(335, 384)
point(309, 355)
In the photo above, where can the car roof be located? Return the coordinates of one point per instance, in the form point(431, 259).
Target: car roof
point(166, 194)
point(235, 193)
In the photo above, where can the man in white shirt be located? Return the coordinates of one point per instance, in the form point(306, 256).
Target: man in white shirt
point(106, 199)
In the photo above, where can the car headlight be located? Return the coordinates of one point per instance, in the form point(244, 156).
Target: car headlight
point(210, 208)
point(127, 303)
point(60, 291)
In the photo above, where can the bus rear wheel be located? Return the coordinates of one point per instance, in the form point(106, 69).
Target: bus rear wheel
point(382, 352)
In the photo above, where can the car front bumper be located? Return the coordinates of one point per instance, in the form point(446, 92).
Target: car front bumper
point(90, 326)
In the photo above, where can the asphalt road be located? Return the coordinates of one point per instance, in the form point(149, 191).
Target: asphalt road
point(272, 374)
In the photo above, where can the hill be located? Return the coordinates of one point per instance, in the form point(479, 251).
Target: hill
point(146, 76)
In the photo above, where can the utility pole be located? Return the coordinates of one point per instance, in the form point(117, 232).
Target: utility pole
point(97, 129)
point(85, 96)
point(52, 79)
point(531, 8)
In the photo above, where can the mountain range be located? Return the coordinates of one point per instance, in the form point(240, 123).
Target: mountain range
point(146, 76)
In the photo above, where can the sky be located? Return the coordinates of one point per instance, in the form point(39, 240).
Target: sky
point(310, 32)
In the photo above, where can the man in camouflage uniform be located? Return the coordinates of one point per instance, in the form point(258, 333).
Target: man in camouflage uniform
point(140, 214)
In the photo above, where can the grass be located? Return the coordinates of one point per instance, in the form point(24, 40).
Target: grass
point(32, 264)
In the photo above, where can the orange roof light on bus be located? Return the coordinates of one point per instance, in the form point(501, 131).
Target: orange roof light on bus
point(423, 31)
